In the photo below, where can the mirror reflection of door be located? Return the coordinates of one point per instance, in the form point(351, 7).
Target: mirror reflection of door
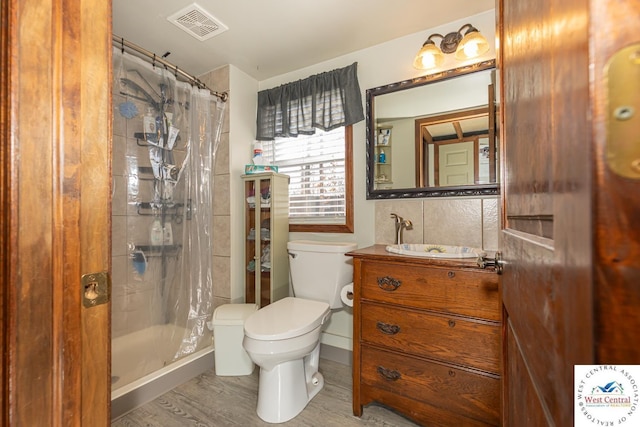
point(454, 163)
point(454, 148)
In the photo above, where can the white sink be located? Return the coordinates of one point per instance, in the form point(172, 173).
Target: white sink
point(427, 250)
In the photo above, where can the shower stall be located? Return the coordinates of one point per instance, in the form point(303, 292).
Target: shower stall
point(165, 136)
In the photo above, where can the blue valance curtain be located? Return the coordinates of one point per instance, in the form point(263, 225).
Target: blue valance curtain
point(324, 101)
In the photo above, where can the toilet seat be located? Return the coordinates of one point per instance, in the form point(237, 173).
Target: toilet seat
point(287, 318)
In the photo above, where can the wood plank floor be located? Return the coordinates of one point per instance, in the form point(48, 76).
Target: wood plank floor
point(211, 401)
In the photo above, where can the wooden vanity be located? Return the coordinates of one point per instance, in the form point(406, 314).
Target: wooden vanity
point(426, 338)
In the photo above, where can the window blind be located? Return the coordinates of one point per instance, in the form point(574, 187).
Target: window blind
point(316, 167)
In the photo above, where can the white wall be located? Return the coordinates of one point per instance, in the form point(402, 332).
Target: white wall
point(379, 65)
point(243, 101)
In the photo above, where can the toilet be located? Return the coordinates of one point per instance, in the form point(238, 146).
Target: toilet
point(283, 338)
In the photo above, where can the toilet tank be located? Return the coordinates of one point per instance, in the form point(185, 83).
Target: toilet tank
point(319, 270)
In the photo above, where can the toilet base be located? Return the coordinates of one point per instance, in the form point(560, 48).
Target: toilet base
point(285, 390)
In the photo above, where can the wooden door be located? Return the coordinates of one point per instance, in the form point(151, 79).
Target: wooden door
point(571, 249)
point(55, 114)
point(546, 238)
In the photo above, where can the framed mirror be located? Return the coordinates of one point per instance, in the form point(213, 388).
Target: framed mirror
point(434, 136)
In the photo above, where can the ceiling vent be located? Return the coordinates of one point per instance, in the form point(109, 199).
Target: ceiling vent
point(197, 22)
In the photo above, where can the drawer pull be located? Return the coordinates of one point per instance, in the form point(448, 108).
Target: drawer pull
point(452, 373)
point(388, 284)
point(388, 329)
point(389, 374)
point(451, 274)
point(452, 323)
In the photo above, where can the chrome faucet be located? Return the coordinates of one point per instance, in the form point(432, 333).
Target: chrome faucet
point(401, 224)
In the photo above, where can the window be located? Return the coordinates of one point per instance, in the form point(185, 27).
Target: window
point(289, 121)
point(321, 179)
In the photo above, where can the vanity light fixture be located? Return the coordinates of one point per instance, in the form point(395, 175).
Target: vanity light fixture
point(470, 45)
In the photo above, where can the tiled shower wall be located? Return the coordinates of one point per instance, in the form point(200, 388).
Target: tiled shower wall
point(218, 80)
point(444, 221)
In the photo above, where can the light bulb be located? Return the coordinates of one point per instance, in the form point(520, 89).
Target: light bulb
point(471, 49)
point(429, 56)
point(472, 45)
point(428, 61)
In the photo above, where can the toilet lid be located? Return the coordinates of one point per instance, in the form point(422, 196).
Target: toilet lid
point(286, 318)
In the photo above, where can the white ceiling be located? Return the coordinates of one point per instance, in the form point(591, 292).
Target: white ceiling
point(267, 38)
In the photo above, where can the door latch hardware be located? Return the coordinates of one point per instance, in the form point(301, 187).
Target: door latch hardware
point(496, 262)
point(623, 104)
point(95, 289)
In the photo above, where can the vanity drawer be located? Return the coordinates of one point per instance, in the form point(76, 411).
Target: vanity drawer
point(448, 338)
point(470, 293)
point(461, 392)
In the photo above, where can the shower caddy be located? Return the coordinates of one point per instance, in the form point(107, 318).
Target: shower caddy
point(160, 137)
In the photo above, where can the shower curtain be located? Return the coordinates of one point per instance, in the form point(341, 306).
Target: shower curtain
point(166, 135)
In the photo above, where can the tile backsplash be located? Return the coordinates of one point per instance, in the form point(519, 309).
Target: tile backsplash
point(454, 221)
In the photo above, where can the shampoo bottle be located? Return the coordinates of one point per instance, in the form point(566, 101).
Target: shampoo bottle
point(156, 235)
point(167, 234)
point(149, 127)
point(257, 153)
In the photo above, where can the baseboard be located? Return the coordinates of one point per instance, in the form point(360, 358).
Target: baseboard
point(335, 354)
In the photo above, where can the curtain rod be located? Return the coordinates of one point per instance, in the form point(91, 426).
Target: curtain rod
point(122, 43)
